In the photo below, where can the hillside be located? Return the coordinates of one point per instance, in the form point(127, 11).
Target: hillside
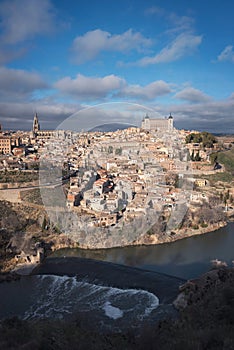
point(21, 227)
point(227, 159)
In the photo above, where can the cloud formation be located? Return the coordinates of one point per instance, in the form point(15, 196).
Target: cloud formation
point(23, 19)
point(83, 88)
point(147, 92)
point(192, 95)
point(92, 43)
point(183, 45)
point(227, 54)
point(16, 83)
point(177, 24)
point(89, 87)
point(213, 116)
point(20, 114)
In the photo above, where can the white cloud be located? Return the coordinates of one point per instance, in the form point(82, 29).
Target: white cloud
point(89, 87)
point(214, 116)
point(19, 115)
point(88, 46)
point(148, 92)
point(23, 19)
point(192, 95)
point(227, 54)
point(17, 83)
point(84, 88)
point(181, 34)
point(176, 23)
point(180, 24)
point(183, 45)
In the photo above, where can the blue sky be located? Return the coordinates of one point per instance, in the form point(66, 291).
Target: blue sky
point(57, 57)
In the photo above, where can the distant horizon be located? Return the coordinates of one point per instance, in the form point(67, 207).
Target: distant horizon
point(101, 125)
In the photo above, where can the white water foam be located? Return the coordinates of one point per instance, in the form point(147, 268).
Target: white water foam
point(58, 296)
point(112, 311)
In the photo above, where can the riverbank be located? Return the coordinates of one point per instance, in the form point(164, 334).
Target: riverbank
point(184, 233)
point(62, 243)
point(20, 217)
point(154, 239)
point(22, 223)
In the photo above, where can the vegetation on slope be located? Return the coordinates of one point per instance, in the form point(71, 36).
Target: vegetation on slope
point(15, 222)
point(223, 177)
point(18, 176)
point(226, 158)
point(204, 137)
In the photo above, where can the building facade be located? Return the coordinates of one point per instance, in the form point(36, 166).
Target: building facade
point(5, 145)
point(157, 124)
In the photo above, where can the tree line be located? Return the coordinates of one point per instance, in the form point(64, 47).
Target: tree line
point(207, 139)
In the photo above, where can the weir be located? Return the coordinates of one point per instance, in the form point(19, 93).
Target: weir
point(165, 287)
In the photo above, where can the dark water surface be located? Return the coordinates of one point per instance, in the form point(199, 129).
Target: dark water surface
point(121, 297)
point(186, 258)
point(57, 297)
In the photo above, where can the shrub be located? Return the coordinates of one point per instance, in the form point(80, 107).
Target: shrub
point(195, 227)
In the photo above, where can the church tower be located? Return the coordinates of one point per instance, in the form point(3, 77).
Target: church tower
point(36, 125)
point(146, 123)
point(170, 122)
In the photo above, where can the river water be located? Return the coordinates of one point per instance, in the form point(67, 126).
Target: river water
point(58, 297)
point(103, 305)
point(185, 258)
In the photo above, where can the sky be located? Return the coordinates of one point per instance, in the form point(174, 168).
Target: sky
point(58, 57)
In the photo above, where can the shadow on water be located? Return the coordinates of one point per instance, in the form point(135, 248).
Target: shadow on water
point(186, 258)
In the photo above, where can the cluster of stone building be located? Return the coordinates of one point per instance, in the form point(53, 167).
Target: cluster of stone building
point(21, 150)
point(120, 175)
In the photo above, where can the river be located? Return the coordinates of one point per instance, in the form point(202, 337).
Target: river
point(185, 258)
point(120, 295)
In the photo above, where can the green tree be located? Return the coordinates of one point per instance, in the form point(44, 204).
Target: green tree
point(206, 138)
point(110, 149)
point(214, 157)
point(118, 151)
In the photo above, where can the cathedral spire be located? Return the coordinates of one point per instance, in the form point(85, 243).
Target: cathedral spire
point(36, 125)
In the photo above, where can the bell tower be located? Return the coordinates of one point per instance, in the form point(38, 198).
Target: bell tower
point(36, 125)
point(170, 122)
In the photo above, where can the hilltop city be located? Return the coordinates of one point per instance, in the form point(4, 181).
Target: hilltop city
point(140, 185)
